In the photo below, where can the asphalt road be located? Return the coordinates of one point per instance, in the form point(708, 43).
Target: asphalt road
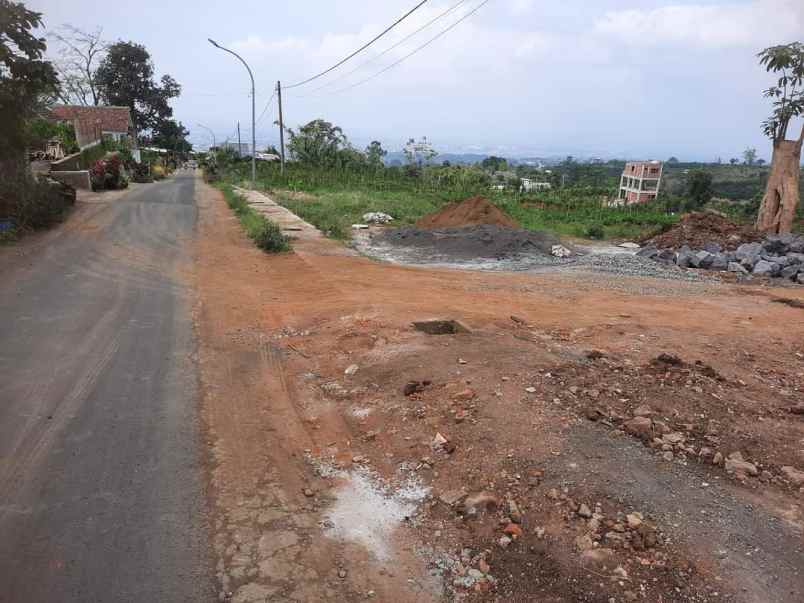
point(101, 480)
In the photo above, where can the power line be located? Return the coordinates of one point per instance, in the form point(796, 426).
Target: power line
point(362, 48)
point(268, 104)
point(422, 47)
point(390, 48)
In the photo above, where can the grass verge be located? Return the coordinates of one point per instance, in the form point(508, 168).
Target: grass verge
point(265, 234)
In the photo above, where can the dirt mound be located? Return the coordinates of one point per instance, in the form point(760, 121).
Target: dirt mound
point(699, 228)
point(482, 241)
point(470, 212)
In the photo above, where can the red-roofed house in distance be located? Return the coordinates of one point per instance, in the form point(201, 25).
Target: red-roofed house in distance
point(92, 124)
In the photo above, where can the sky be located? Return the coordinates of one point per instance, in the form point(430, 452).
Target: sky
point(609, 78)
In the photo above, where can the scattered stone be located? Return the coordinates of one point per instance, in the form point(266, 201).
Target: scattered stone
point(438, 441)
point(600, 557)
point(641, 427)
point(513, 530)
point(793, 475)
point(351, 370)
point(740, 467)
point(464, 395)
point(480, 501)
point(668, 456)
point(643, 411)
point(483, 566)
point(504, 541)
point(584, 511)
point(620, 573)
point(634, 520)
point(377, 217)
point(560, 251)
point(736, 267)
point(717, 459)
point(342, 573)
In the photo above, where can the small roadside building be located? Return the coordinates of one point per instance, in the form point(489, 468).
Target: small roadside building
point(92, 124)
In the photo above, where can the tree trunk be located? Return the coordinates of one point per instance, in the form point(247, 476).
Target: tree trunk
point(778, 208)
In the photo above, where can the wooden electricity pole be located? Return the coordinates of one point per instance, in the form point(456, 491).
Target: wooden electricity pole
point(239, 148)
point(281, 125)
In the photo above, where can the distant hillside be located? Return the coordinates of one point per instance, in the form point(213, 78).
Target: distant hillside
point(398, 158)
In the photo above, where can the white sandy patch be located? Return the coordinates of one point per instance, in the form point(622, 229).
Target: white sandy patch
point(367, 511)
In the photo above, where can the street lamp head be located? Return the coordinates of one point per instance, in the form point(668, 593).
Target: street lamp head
point(213, 42)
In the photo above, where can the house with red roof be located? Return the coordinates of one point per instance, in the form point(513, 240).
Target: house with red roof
point(92, 124)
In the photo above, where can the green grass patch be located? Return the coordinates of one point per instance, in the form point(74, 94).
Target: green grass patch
point(265, 233)
point(334, 201)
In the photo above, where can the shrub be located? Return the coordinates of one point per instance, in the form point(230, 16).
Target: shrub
point(265, 233)
point(595, 231)
point(27, 202)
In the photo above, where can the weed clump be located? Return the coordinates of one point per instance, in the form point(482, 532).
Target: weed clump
point(265, 234)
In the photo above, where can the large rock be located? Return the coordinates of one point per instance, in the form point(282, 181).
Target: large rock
point(748, 254)
point(795, 258)
point(684, 257)
point(777, 243)
point(800, 278)
point(702, 259)
point(719, 262)
point(791, 271)
point(766, 268)
point(666, 255)
point(740, 467)
point(738, 268)
point(648, 252)
point(712, 247)
point(642, 427)
point(793, 475)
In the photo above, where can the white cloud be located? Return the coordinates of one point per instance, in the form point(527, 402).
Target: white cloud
point(711, 26)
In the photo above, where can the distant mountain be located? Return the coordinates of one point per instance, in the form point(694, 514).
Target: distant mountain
point(398, 158)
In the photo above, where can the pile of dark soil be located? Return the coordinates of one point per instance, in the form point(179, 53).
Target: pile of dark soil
point(470, 212)
point(483, 241)
point(699, 228)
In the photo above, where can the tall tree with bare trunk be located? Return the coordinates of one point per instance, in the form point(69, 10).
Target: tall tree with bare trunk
point(778, 208)
point(80, 53)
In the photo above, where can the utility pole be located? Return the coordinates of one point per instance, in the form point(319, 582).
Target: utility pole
point(281, 126)
point(239, 148)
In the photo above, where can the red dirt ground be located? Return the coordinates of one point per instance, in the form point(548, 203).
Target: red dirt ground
point(470, 212)
point(533, 403)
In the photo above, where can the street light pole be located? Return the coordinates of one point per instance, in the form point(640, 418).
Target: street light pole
point(253, 112)
point(214, 143)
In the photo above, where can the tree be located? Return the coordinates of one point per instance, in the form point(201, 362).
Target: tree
point(375, 153)
point(79, 56)
point(778, 207)
point(760, 162)
point(750, 156)
point(734, 161)
point(317, 143)
point(699, 188)
point(25, 78)
point(171, 135)
point(494, 164)
point(672, 161)
point(125, 78)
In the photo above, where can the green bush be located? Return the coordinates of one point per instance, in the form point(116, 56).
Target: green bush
point(596, 231)
point(27, 202)
point(265, 233)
